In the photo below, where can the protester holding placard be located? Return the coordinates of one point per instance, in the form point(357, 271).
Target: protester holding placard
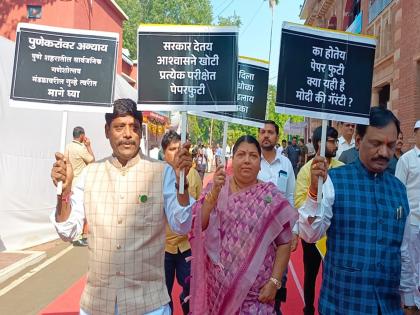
point(364, 210)
point(240, 239)
point(124, 198)
point(178, 248)
point(311, 256)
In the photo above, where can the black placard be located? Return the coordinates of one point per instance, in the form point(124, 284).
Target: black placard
point(252, 95)
point(324, 74)
point(60, 68)
point(194, 69)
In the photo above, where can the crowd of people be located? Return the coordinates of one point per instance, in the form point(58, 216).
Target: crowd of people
point(228, 244)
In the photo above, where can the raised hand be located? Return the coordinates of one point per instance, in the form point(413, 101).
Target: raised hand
point(319, 168)
point(219, 178)
point(183, 160)
point(86, 141)
point(62, 171)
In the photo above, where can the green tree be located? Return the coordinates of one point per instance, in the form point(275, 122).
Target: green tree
point(271, 114)
point(230, 20)
point(197, 12)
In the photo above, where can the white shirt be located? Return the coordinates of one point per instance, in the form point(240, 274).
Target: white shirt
point(154, 153)
point(343, 146)
point(323, 215)
point(179, 217)
point(280, 173)
point(227, 151)
point(408, 172)
point(209, 153)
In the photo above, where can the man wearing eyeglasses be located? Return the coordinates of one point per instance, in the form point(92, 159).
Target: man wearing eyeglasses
point(346, 141)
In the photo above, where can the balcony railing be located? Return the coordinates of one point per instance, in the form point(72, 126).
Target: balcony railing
point(377, 7)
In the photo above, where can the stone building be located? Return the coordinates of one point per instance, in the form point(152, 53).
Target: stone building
point(396, 25)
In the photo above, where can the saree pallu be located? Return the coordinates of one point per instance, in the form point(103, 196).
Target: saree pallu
point(234, 257)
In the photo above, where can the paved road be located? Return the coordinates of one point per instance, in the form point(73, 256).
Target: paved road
point(35, 293)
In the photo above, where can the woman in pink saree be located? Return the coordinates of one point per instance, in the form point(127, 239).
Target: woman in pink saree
point(240, 239)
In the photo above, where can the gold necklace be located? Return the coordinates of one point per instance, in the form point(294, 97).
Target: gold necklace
point(235, 187)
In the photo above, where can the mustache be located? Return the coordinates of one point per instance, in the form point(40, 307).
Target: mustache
point(381, 158)
point(126, 142)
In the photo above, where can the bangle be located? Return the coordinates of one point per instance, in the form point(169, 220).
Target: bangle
point(66, 198)
point(186, 185)
point(276, 282)
point(210, 197)
point(312, 195)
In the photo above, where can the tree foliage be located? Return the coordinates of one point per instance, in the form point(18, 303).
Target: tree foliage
point(197, 12)
point(200, 127)
point(230, 20)
point(271, 114)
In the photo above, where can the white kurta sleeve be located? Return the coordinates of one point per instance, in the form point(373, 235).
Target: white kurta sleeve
point(73, 227)
point(321, 216)
point(179, 217)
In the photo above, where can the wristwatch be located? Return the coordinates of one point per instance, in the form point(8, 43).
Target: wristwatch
point(276, 282)
point(411, 308)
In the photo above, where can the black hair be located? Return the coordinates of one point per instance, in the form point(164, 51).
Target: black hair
point(247, 139)
point(302, 140)
point(78, 131)
point(271, 122)
point(168, 138)
point(379, 118)
point(316, 136)
point(294, 138)
point(124, 107)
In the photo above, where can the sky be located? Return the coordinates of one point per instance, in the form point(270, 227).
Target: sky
point(254, 33)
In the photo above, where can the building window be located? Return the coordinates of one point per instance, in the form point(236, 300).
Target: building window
point(34, 11)
point(384, 95)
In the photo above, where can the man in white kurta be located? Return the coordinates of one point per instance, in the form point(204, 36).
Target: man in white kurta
point(123, 198)
point(408, 172)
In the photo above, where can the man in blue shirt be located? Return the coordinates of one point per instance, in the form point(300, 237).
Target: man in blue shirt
point(367, 268)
